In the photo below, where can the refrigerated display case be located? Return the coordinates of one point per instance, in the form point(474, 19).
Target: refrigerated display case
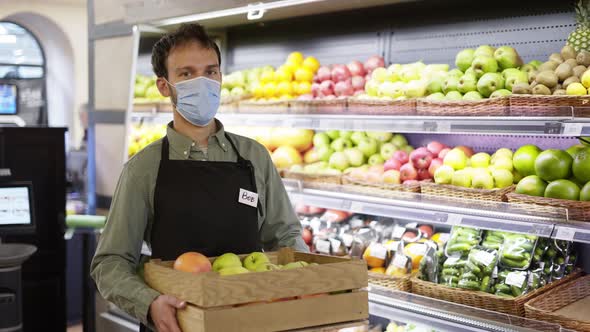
point(339, 32)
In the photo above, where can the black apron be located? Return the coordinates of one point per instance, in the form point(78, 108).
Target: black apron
point(197, 207)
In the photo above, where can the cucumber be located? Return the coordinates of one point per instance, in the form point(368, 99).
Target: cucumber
point(515, 264)
point(471, 266)
point(468, 284)
point(516, 291)
point(469, 276)
point(450, 272)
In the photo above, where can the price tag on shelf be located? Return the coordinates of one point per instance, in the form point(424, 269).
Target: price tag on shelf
point(565, 233)
point(356, 207)
point(377, 250)
point(335, 244)
point(454, 219)
point(572, 129)
point(347, 239)
point(484, 257)
point(516, 279)
point(323, 246)
point(398, 232)
point(400, 261)
point(443, 127)
point(417, 249)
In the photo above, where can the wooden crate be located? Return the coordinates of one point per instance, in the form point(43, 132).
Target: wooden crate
point(248, 302)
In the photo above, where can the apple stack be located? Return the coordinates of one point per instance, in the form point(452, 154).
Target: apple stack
point(556, 174)
point(142, 135)
point(463, 168)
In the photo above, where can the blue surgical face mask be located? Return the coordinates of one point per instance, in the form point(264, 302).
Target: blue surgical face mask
point(197, 100)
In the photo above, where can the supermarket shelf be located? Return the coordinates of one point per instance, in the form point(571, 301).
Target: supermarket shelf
point(446, 316)
point(437, 210)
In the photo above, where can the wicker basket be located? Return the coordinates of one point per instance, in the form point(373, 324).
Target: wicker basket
point(413, 188)
point(312, 178)
point(536, 105)
point(511, 306)
point(382, 107)
point(318, 106)
point(544, 307)
point(577, 210)
point(396, 283)
point(495, 195)
point(266, 107)
point(484, 107)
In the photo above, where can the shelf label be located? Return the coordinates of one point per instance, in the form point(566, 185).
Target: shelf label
point(565, 233)
point(398, 232)
point(392, 245)
point(347, 239)
point(377, 250)
point(443, 127)
point(335, 244)
point(400, 261)
point(484, 257)
point(356, 207)
point(572, 129)
point(323, 246)
point(454, 219)
point(516, 279)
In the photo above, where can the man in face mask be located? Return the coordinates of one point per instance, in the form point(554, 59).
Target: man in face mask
point(198, 189)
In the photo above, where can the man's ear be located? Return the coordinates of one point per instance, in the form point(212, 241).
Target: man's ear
point(163, 87)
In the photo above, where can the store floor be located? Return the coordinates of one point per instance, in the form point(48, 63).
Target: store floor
point(75, 328)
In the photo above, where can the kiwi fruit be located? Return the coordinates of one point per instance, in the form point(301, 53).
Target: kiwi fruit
point(583, 58)
point(568, 52)
point(559, 92)
point(533, 84)
point(521, 89)
point(571, 62)
point(556, 57)
point(563, 71)
point(532, 76)
point(579, 70)
point(570, 80)
point(549, 65)
point(541, 89)
point(547, 78)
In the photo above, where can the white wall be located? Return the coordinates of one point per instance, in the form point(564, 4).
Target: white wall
point(70, 18)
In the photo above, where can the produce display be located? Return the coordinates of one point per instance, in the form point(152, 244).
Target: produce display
point(142, 135)
point(145, 90)
point(554, 173)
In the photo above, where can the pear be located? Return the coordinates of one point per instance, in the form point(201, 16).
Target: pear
point(547, 78)
point(568, 52)
point(579, 70)
point(570, 80)
point(563, 71)
point(540, 89)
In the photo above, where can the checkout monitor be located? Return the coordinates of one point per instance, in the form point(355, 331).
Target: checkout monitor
point(16, 208)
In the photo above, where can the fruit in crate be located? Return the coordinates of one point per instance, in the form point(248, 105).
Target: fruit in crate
point(193, 262)
point(254, 260)
point(286, 156)
point(141, 136)
point(340, 80)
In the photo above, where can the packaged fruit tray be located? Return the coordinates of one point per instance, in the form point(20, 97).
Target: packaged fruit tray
point(566, 305)
point(484, 107)
point(319, 106)
point(511, 306)
point(266, 107)
point(540, 105)
point(576, 210)
point(312, 178)
point(495, 195)
point(274, 300)
point(363, 187)
point(382, 107)
point(403, 284)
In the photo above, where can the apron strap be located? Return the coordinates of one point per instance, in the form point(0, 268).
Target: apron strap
point(241, 160)
point(165, 149)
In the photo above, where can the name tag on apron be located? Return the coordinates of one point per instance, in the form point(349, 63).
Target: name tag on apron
point(249, 198)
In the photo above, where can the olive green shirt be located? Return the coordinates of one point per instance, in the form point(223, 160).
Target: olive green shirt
point(131, 215)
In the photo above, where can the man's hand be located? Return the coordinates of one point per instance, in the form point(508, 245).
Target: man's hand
point(163, 313)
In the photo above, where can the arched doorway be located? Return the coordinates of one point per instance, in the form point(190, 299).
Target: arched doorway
point(22, 76)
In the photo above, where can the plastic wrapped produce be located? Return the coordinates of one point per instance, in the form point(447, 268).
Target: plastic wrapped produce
point(462, 240)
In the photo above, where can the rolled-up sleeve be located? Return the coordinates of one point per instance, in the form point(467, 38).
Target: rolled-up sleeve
point(115, 264)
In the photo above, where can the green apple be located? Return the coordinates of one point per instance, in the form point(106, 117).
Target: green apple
point(436, 96)
point(524, 159)
point(321, 139)
point(480, 160)
point(462, 178)
point(415, 89)
point(531, 185)
point(513, 79)
point(399, 140)
point(484, 64)
point(553, 164)
point(516, 176)
point(467, 83)
point(232, 270)
point(451, 83)
point(581, 165)
point(490, 82)
point(456, 158)
point(252, 261)
point(502, 178)
point(455, 73)
point(511, 72)
point(387, 150)
point(346, 134)
point(324, 152)
point(333, 134)
point(464, 59)
point(536, 63)
point(507, 57)
point(503, 162)
point(372, 88)
point(338, 160)
point(472, 95)
point(376, 159)
point(444, 174)
point(355, 157)
point(563, 189)
point(380, 136)
point(379, 74)
point(368, 146)
point(574, 149)
point(482, 180)
point(358, 136)
point(435, 84)
point(294, 265)
point(454, 95)
point(407, 148)
point(266, 267)
point(503, 152)
point(484, 50)
point(340, 144)
point(500, 93)
point(225, 261)
point(585, 193)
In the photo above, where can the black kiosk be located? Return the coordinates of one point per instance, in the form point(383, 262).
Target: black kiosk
point(16, 217)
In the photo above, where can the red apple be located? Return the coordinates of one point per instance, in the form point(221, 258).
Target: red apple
point(401, 156)
point(409, 236)
point(392, 163)
point(408, 172)
point(435, 147)
point(468, 151)
point(306, 235)
point(423, 174)
point(343, 88)
point(426, 230)
point(324, 74)
point(391, 176)
point(434, 165)
point(326, 89)
point(356, 68)
point(408, 182)
point(443, 153)
point(358, 83)
point(427, 180)
point(374, 62)
point(340, 73)
point(315, 89)
point(359, 92)
point(421, 158)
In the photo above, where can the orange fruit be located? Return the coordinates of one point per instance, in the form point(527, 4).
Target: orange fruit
point(372, 261)
point(192, 262)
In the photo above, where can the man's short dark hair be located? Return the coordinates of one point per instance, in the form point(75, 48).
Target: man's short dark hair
point(184, 34)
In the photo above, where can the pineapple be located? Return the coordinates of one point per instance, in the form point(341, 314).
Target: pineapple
point(579, 39)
